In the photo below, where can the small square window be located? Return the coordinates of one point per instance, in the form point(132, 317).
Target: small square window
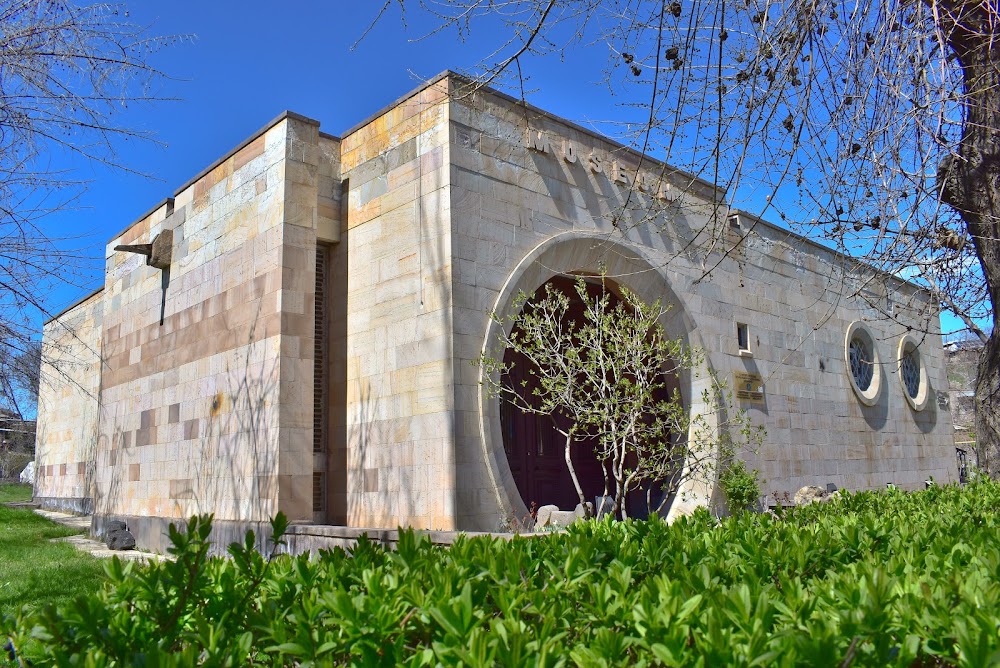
point(743, 337)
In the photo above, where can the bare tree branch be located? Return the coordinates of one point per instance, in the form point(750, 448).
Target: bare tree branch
point(67, 72)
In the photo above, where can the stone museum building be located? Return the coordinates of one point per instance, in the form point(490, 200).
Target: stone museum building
point(296, 329)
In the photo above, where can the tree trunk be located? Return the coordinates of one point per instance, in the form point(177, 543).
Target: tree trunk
point(619, 471)
point(970, 183)
point(988, 406)
point(663, 500)
point(572, 471)
point(626, 488)
point(619, 509)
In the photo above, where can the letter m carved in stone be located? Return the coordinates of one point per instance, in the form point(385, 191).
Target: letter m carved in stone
point(538, 141)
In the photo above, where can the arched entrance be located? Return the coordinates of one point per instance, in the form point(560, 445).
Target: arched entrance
point(567, 253)
point(534, 445)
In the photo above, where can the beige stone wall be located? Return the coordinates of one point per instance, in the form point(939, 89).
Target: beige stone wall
point(202, 394)
point(66, 436)
point(799, 302)
point(431, 215)
point(520, 214)
point(399, 429)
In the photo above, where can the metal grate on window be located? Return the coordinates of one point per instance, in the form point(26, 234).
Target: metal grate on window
point(910, 368)
point(318, 486)
point(862, 367)
point(319, 365)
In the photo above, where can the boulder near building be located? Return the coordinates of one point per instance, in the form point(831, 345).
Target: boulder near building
point(296, 328)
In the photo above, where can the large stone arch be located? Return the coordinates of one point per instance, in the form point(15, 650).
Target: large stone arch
point(578, 252)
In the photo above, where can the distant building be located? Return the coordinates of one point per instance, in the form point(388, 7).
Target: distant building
point(16, 431)
point(17, 443)
point(295, 329)
point(962, 363)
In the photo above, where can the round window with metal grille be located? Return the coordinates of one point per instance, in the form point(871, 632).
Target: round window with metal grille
point(861, 363)
point(910, 368)
point(864, 370)
point(912, 373)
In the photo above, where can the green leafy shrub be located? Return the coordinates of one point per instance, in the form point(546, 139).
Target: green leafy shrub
point(879, 578)
point(741, 487)
point(184, 611)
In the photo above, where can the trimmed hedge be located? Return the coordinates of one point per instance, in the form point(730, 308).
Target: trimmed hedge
point(883, 578)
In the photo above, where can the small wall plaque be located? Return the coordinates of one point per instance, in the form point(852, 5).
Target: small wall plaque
point(748, 386)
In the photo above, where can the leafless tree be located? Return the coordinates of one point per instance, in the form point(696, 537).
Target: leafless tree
point(67, 72)
point(18, 401)
point(19, 376)
point(871, 124)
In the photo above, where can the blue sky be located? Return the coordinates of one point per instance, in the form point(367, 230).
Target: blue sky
point(248, 61)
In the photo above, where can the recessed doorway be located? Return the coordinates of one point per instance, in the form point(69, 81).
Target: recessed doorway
point(535, 449)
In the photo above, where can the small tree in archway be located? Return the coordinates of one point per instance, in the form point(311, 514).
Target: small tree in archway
point(603, 378)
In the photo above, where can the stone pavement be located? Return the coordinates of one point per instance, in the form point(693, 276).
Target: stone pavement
point(90, 545)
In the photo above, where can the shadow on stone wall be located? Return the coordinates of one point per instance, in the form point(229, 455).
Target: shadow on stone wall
point(238, 464)
point(226, 452)
point(927, 419)
point(360, 477)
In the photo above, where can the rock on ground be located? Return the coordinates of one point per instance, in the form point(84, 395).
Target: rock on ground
point(118, 537)
point(813, 494)
point(551, 515)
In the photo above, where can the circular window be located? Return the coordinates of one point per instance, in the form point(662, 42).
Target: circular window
point(864, 370)
point(912, 373)
point(862, 363)
point(909, 366)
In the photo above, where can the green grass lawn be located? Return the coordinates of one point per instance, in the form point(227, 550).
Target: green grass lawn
point(34, 569)
point(14, 492)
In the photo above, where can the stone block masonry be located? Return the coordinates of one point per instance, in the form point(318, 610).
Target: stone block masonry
point(310, 346)
point(66, 439)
